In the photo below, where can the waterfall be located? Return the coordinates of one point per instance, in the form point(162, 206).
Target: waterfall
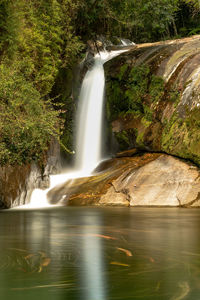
point(89, 119)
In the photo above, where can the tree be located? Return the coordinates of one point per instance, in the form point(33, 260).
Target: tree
point(142, 20)
point(37, 39)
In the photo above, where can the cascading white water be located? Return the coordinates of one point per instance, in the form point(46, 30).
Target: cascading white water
point(88, 150)
point(89, 119)
point(90, 115)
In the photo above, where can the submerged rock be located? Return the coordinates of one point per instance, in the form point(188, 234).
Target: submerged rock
point(143, 180)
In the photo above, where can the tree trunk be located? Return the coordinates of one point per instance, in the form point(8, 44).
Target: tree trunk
point(174, 26)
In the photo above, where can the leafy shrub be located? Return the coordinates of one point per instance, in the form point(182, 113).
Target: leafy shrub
point(27, 123)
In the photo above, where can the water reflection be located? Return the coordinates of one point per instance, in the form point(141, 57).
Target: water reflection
point(100, 254)
point(92, 260)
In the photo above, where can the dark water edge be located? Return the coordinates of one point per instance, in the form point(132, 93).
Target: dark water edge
point(90, 253)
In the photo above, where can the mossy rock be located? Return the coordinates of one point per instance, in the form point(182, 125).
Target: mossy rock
point(153, 98)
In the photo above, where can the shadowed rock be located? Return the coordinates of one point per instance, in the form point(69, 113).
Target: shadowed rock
point(18, 182)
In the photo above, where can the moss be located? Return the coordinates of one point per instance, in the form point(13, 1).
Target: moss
point(156, 88)
point(122, 72)
point(181, 137)
point(138, 96)
point(146, 122)
point(174, 96)
point(132, 90)
point(122, 138)
point(126, 138)
point(148, 114)
point(140, 139)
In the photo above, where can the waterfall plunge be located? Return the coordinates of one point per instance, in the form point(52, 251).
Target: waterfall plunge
point(90, 115)
point(89, 119)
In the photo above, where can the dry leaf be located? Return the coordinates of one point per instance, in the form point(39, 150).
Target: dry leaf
point(119, 264)
point(127, 252)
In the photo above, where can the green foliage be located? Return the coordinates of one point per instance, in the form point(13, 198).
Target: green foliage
point(146, 122)
point(140, 139)
point(156, 88)
point(133, 90)
point(123, 139)
point(136, 95)
point(37, 39)
point(148, 115)
point(140, 20)
point(137, 86)
point(26, 122)
point(195, 4)
point(39, 32)
point(116, 103)
point(126, 138)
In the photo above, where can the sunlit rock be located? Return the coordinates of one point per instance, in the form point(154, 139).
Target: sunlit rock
point(89, 190)
point(166, 181)
point(142, 180)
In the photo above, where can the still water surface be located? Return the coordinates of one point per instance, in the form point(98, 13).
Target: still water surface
point(100, 254)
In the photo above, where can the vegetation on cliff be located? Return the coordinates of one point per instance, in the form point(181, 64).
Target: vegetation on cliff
point(181, 136)
point(153, 98)
point(133, 94)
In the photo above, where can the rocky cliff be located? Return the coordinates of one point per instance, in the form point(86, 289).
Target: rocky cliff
point(17, 182)
point(153, 98)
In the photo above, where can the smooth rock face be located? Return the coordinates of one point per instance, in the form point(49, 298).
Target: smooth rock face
point(163, 79)
point(165, 181)
point(18, 182)
point(12, 183)
point(89, 190)
point(145, 180)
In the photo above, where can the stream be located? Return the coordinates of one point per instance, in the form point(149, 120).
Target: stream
point(97, 253)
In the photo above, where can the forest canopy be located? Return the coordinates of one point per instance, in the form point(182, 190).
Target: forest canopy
point(40, 38)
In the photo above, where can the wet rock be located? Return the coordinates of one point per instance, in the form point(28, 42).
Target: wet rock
point(119, 47)
point(17, 182)
point(89, 190)
point(145, 180)
point(89, 60)
point(153, 101)
point(127, 153)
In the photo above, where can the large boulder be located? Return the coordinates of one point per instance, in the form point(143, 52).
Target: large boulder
point(143, 180)
point(166, 181)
